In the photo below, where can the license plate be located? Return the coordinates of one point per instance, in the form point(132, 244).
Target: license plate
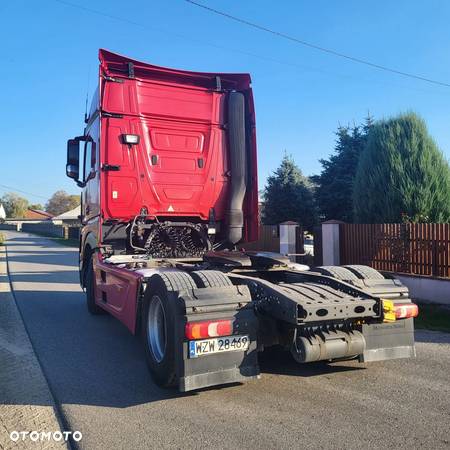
point(218, 345)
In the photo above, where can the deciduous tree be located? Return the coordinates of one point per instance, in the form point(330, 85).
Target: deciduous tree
point(15, 205)
point(61, 202)
point(36, 206)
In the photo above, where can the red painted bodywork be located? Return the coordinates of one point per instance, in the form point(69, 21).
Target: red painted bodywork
point(121, 287)
point(181, 119)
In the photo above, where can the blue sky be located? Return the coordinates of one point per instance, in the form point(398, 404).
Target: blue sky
point(49, 49)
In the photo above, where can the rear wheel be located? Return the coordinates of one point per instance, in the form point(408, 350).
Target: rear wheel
point(158, 324)
point(365, 272)
point(92, 307)
point(210, 278)
point(157, 328)
point(338, 272)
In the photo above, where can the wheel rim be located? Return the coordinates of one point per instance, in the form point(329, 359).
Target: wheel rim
point(156, 328)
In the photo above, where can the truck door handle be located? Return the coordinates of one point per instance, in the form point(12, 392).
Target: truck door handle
point(110, 167)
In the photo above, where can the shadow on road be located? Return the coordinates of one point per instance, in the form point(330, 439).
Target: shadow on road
point(279, 361)
point(66, 276)
point(57, 258)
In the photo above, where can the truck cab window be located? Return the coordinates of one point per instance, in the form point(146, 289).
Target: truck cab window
point(89, 159)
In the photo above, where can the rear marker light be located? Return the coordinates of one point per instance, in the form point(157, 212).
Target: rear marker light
point(393, 311)
point(406, 310)
point(130, 139)
point(388, 311)
point(201, 330)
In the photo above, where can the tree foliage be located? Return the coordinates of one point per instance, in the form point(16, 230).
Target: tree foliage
point(334, 192)
point(60, 202)
point(36, 206)
point(402, 173)
point(289, 195)
point(15, 205)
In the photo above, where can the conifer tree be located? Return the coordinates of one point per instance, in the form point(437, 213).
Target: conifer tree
point(401, 174)
point(334, 193)
point(289, 195)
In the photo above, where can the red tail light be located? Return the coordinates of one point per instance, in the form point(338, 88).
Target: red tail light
point(406, 310)
point(201, 330)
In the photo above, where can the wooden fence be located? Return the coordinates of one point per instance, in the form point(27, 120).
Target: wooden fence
point(422, 249)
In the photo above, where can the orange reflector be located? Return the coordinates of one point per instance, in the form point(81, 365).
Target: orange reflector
point(406, 310)
point(201, 330)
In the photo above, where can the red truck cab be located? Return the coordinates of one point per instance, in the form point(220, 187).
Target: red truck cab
point(167, 167)
point(155, 145)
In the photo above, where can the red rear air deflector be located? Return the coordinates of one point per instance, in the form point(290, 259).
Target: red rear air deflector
point(180, 168)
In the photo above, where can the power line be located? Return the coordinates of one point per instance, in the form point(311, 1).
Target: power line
point(100, 13)
point(210, 44)
point(317, 47)
point(190, 38)
point(178, 35)
point(23, 192)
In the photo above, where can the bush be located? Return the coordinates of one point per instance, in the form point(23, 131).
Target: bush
point(401, 174)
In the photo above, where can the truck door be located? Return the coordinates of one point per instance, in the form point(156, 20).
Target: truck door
point(90, 195)
point(119, 171)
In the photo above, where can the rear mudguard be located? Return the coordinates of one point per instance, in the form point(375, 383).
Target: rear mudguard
point(388, 340)
point(215, 303)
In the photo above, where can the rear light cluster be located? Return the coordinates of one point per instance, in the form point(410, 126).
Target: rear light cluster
point(206, 329)
point(406, 310)
point(393, 311)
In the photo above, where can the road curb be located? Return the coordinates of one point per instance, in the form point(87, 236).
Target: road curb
point(26, 400)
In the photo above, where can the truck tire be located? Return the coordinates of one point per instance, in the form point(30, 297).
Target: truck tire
point(92, 307)
point(210, 278)
point(365, 272)
point(338, 272)
point(177, 281)
point(158, 324)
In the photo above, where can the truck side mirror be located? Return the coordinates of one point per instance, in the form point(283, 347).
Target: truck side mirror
point(73, 159)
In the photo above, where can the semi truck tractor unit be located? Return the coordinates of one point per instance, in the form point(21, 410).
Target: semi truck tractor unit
point(168, 170)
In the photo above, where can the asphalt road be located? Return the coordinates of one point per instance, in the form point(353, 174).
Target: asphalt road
point(97, 374)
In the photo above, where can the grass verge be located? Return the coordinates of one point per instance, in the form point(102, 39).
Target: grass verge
point(433, 317)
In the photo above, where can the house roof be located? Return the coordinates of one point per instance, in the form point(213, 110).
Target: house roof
point(69, 215)
point(37, 214)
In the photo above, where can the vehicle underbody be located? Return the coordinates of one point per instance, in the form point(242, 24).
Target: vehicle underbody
point(315, 314)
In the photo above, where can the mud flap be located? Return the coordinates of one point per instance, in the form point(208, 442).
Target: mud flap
point(388, 341)
point(230, 302)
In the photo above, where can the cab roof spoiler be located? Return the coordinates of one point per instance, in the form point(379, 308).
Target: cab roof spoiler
point(114, 65)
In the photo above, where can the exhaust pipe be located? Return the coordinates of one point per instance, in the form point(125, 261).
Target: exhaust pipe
point(234, 215)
